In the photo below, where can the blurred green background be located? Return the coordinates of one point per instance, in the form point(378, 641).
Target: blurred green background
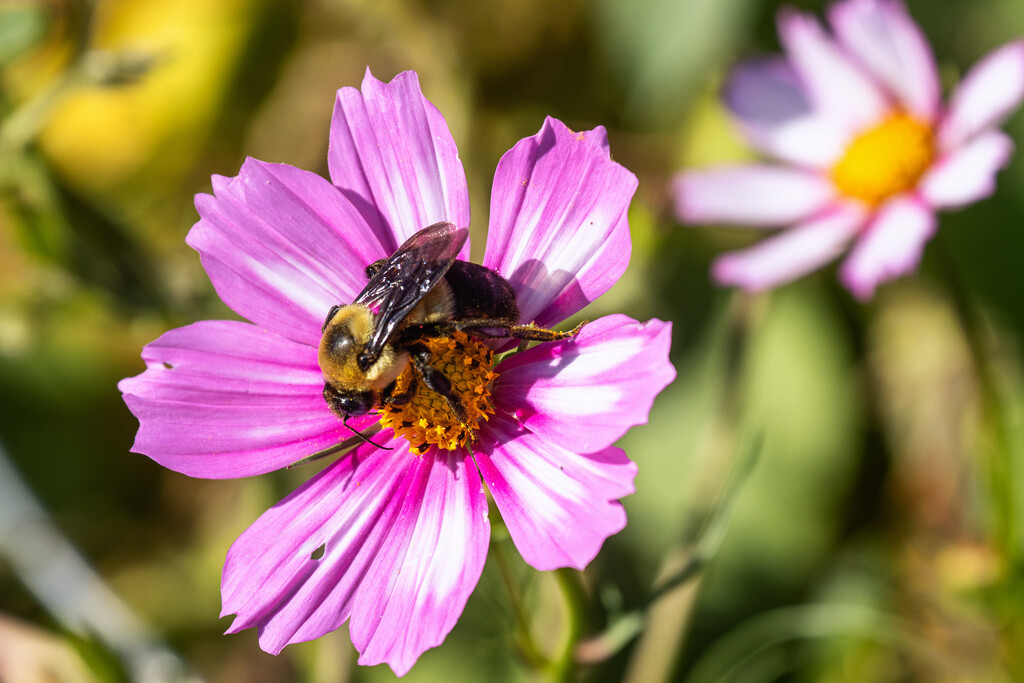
point(876, 537)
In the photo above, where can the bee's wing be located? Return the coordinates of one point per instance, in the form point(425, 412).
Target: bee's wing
point(407, 276)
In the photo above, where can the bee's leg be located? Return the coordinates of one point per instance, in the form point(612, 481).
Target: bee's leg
point(374, 267)
point(392, 399)
point(435, 380)
point(532, 332)
point(330, 314)
point(492, 328)
point(498, 328)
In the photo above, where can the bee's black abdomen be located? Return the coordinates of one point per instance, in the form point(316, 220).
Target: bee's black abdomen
point(479, 292)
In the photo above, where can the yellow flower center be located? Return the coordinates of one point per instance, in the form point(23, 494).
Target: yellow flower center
point(427, 418)
point(885, 160)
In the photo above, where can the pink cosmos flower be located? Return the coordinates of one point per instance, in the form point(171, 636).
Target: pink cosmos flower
point(393, 540)
point(869, 150)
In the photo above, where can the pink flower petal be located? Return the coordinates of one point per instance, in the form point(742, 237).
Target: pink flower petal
point(967, 174)
point(754, 195)
point(586, 392)
point(836, 86)
point(770, 106)
point(891, 246)
point(881, 35)
point(559, 506)
point(793, 253)
point(281, 246)
point(992, 89)
point(403, 543)
point(558, 230)
point(222, 399)
point(391, 153)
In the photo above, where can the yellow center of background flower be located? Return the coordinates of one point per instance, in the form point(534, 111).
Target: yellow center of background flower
point(428, 419)
point(885, 160)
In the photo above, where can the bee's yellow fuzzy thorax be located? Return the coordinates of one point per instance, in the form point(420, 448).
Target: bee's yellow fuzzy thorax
point(427, 419)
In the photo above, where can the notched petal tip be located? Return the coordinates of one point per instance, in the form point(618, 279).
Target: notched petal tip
point(596, 137)
point(559, 229)
point(392, 154)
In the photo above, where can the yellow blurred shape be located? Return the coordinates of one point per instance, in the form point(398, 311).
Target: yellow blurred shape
point(100, 136)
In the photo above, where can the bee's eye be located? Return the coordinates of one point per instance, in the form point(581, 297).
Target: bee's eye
point(349, 403)
point(340, 344)
point(357, 404)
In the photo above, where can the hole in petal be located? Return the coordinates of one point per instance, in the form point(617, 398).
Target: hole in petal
point(319, 552)
point(168, 365)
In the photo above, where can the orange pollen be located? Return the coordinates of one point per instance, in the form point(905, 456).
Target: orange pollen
point(427, 419)
point(885, 160)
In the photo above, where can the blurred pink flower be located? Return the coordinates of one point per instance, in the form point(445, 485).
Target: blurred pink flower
point(870, 151)
point(392, 540)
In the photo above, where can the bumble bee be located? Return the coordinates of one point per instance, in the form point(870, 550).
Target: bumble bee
point(419, 292)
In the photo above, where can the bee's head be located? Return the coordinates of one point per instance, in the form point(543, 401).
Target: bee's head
point(346, 332)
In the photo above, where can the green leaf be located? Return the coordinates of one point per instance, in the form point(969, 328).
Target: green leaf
point(22, 26)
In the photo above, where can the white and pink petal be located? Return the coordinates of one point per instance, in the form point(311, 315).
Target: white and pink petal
point(793, 253)
point(224, 399)
point(890, 246)
point(771, 108)
point(751, 194)
point(883, 37)
point(281, 246)
point(968, 173)
point(559, 505)
point(837, 87)
point(990, 91)
point(558, 228)
point(393, 542)
point(392, 154)
point(586, 392)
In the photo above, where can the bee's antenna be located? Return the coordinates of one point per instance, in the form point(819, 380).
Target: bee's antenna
point(472, 455)
point(365, 438)
point(338, 448)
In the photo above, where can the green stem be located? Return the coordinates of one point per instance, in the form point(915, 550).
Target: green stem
point(563, 666)
point(1000, 465)
point(741, 317)
point(524, 636)
point(626, 627)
